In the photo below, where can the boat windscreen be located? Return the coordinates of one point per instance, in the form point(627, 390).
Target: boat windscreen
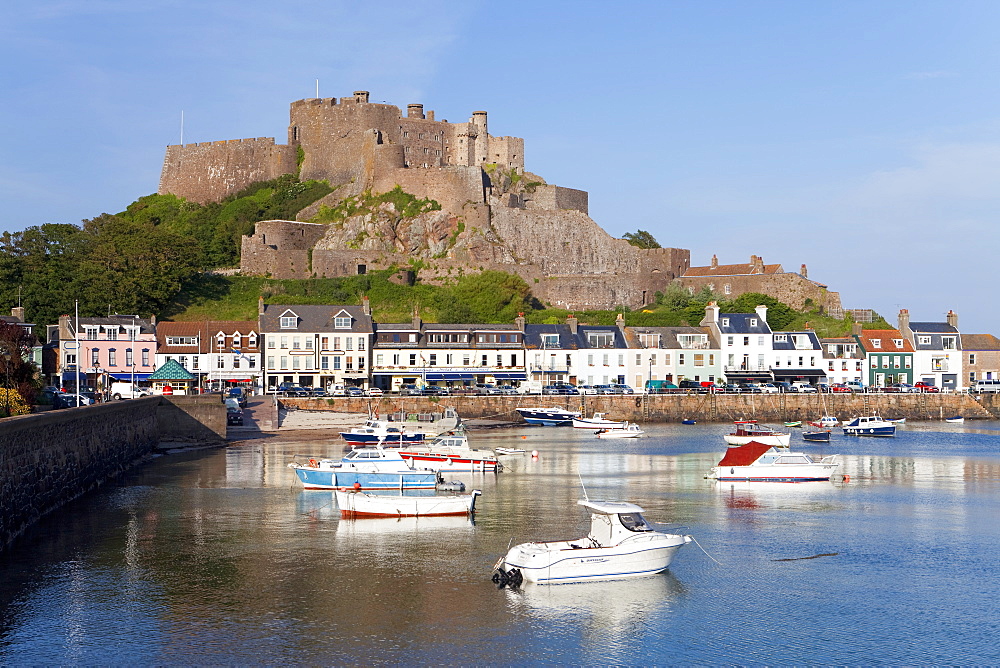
point(634, 522)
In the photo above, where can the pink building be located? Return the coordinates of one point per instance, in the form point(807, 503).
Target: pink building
point(118, 347)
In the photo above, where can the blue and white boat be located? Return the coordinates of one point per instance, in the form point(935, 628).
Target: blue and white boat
point(548, 417)
point(375, 431)
point(368, 468)
point(870, 425)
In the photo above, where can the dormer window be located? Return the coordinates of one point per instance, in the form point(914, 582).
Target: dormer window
point(753, 322)
point(342, 320)
point(252, 340)
point(780, 338)
point(725, 322)
point(898, 342)
point(289, 320)
point(236, 339)
point(876, 343)
point(220, 339)
point(550, 340)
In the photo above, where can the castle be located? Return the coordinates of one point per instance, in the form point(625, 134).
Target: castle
point(493, 215)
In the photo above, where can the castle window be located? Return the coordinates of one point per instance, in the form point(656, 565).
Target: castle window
point(406, 134)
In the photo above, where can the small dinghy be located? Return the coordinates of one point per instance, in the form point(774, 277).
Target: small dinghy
point(689, 421)
point(958, 419)
point(509, 451)
point(822, 436)
point(796, 423)
point(621, 544)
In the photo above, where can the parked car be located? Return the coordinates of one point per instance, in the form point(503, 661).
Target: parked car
point(921, 386)
point(234, 416)
point(823, 387)
point(802, 386)
point(561, 388)
point(436, 391)
point(354, 391)
point(785, 386)
point(986, 386)
point(374, 392)
point(295, 391)
point(855, 385)
point(731, 388)
point(768, 388)
point(603, 389)
point(486, 388)
point(621, 388)
point(840, 387)
point(409, 389)
point(901, 387)
point(70, 400)
point(234, 392)
point(507, 389)
point(586, 389)
point(752, 388)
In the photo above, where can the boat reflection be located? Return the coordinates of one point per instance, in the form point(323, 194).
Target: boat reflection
point(369, 527)
point(741, 494)
point(605, 607)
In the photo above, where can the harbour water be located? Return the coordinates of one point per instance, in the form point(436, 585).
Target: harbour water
point(218, 557)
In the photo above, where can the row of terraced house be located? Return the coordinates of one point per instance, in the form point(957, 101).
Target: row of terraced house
point(330, 345)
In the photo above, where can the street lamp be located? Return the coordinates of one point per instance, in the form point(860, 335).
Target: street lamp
point(6, 366)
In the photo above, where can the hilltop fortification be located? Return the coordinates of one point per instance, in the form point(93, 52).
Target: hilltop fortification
point(492, 214)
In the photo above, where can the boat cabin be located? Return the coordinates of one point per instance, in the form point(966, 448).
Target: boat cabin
point(613, 521)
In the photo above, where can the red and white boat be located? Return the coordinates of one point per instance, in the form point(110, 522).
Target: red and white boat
point(749, 430)
point(449, 452)
point(758, 462)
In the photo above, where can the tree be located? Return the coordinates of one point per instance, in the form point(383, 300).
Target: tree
point(17, 374)
point(641, 239)
point(491, 296)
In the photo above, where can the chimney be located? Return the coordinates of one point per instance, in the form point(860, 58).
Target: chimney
point(519, 321)
point(711, 315)
point(804, 271)
point(952, 318)
point(430, 115)
point(366, 306)
point(414, 110)
point(360, 96)
point(417, 322)
point(715, 261)
point(620, 321)
point(18, 312)
point(573, 323)
point(904, 323)
point(260, 305)
point(152, 320)
point(856, 329)
point(762, 312)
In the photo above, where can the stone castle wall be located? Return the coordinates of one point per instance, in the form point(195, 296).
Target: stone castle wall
point(791, 288)
point(210, 171)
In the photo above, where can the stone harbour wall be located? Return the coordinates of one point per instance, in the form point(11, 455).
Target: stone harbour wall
point(50, 458)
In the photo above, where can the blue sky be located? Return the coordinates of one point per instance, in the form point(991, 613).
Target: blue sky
point(860, 138)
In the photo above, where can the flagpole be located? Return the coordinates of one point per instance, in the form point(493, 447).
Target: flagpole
point(76, 337)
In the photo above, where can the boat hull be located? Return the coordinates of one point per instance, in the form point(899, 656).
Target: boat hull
point(390, 441)
point(448, 463)
point(868, 430)
point(315, 478)
point(551, 417)
point(778, 473)
point(359, 505)
point(816, 436)
point(557, 563)
point(620, 433)
point(778, 440)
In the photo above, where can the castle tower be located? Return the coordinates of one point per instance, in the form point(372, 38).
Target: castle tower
point(414, 111)
point(361, 97)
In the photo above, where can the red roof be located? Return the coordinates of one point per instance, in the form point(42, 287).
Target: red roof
point(744, 455)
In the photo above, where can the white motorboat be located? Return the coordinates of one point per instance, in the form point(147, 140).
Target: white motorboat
point(627, 430)
point(958, 419)
point(748, 430)
point(449, 452)
point(870, 425)
point(826, 422)
point(759, 462)
point(375, 431)
point(621, 544)
point(597, 421)
point(354, 505)
point(509, 451)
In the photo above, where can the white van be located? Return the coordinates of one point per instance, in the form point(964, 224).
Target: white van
point(336, 389)
point(530, 387)
point(125, 390)
point(991, 386)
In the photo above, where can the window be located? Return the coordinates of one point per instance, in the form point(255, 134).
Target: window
point(236, 362)
point(112, 357)
point(924, 340)
point(727, 289)
point(348, 343)
point(324, 343)
point(342, 322)
point(513, 360)
point(145, 357)
point(236, 340)
point(296, 343)
point(876, 343)
point(252, 340)
point(182, 341)
point(724, 322)
point(270, 342)
point(898, 342)
point(601, 339)
point(699, 359)
point(652, 359)
point(729, 340)
point(874, 362)
point(485, 362)
point(324, 362)
point(680, 358)
point(972, 358)
point(621, 360)
point(604, 360)
point(590, 359)
point(194, 362)
point(95, 357)
point(90, 333)
point(550, 340)
point(284, 342)
point(361, 343)
point(336, 363)
point(220, 362)
point(288, 321)
point(378, 359)
point(296, 364)
point(336, 343)
point(948, 343)
point(907, 362)
point(499, 360)
point(413, 360)
point(895, 361)
point(270, 361)
point(395, 360)
point(284, 362)
point(309, 343)
point(432, 361)
point(129, 361)
point(780, 338)
point(309, 363)
point(746, 340)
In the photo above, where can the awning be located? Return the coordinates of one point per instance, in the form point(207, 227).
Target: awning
point(448, 376)
point(510, 376)
point(129, 376)
point(799, 373)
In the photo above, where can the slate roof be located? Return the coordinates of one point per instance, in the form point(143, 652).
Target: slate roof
point(788, 343)
point(739, 323)
point(533, 336)
point(145, 326)
point(980, 342)
point(933, 328)
point(668, 335)
point(314, 318)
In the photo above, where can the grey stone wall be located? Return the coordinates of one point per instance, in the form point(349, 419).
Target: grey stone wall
point(51, 458)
